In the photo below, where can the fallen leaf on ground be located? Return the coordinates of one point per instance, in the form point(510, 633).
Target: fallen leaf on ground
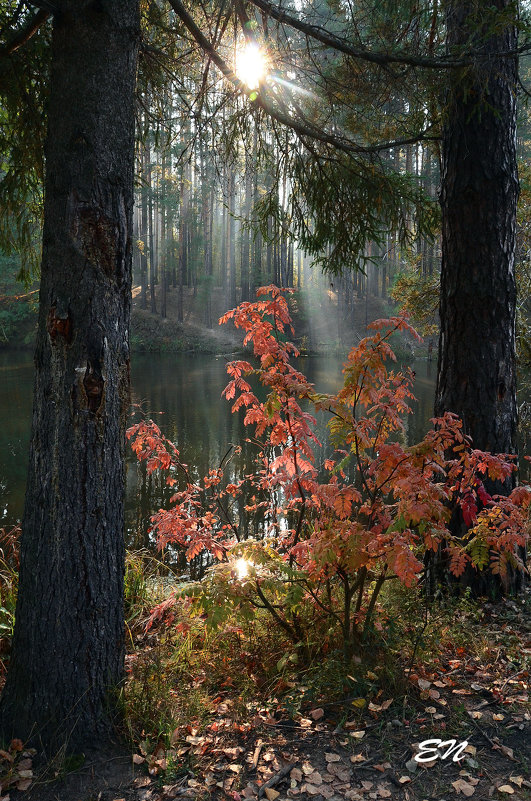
point(332, 757)
point(506, 788)
point(357, 758)
point(142, 781)
point(359, 702)
point(296, 774)
point(423, 684)
point(518, 780)
point(498, 717)
point(271, 794)
point(461, 786)
point(504, 749)
point(358, 735)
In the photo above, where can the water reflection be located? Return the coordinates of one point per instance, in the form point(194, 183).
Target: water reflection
point(183, 394)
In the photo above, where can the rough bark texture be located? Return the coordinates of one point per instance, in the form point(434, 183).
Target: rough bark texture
point(479, 190)
point(68, 647)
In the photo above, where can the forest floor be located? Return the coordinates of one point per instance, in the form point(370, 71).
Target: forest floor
point(475, 688)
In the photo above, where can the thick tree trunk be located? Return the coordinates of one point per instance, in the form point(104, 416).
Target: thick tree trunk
point(68, 647)
point(479, 189)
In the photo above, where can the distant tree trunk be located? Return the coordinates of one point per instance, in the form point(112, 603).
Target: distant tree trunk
point(143, 234)
point(476, 373)
point(183, 239)
point(151, 235)
point(231, 257)
point(246, 233)
point(256, 273)
point(68, 647)
point(163, 250)
point(206, 217)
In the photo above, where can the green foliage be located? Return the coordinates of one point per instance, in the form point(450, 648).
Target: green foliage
point(23, 93)
point(418, 297)
point(17, 308)
point(338, 209)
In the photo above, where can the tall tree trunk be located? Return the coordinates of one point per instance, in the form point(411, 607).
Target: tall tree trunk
point(256, 270)
point(245, 231)
point(143, 233)
point(68, 646)
point(231, 255)
point(479, 189)
point(476, 377)
point(151, 236)
point(163, 249)
point(183, 239)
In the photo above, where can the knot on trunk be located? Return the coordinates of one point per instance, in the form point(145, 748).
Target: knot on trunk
point(59, 326)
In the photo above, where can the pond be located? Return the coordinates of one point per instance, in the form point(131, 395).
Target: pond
point(182, 393)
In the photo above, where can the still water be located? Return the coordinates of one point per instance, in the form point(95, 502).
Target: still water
point(182, 393)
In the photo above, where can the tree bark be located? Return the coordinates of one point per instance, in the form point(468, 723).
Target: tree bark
point(68, 647)
point(479, 189)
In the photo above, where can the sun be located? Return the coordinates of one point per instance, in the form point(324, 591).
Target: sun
point(251, 65)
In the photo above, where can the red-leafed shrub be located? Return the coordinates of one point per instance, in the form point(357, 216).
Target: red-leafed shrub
point(327, 545)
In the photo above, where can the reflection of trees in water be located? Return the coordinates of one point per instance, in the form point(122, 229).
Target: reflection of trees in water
point(187, 388)
point(200, 422)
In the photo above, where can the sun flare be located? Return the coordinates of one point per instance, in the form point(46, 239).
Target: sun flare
point(242, 568)
point(251, 65)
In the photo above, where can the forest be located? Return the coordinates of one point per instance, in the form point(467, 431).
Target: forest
point(265, 385)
